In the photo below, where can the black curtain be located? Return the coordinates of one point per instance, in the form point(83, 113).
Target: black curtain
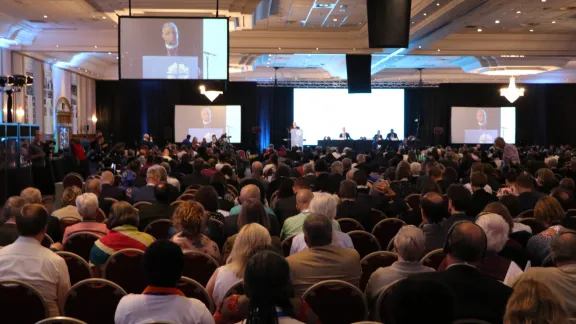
point(276, 112)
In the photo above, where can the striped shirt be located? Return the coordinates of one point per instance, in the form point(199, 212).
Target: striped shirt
point(119, 238)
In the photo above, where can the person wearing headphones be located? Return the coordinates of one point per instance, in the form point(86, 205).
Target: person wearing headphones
point(479, 296)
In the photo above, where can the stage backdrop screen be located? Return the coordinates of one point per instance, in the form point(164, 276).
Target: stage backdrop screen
point(323, 112)
point(173, 48)
point(205, 121)
point(479, 125)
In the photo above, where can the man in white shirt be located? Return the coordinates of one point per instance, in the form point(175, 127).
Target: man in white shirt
point(28, 261)
point(162, 301)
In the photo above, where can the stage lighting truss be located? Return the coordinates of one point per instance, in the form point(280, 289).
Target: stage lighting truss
point(344, 84)
point(14, 83)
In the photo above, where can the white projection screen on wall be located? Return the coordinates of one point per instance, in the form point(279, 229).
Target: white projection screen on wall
point(481, 125)
point(205, 121)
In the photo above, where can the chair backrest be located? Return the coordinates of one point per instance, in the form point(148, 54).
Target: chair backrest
point(433, 259)
point(349, 225)
point(336, 301)
point(199, 266)
point(67, 221)
point(233, 189)
point(274, 199)
point(237, 289)
point(140, 203)
point(81, 243)
point(526, 214)
point(159, 229)
point(101, 216)
point(373, 262)
point(186, 197)
point(380, 309)
point(215, 230)
point(287, 245)
point(364, 242)
point(190, 191)
point(117, 180)
point(176, 203)
point(470, 321)
point(125, 269)
point(413, 201)
point(61, 320)
point(111, 199)
point(78, 268)
point(21, 303)
point(73, 179)
point(536, 226)
point(47, 241)
point(571, 213)
point(194, 186)
point(377, 215)
point(386, 229)
point(193, 289)
point(93, 301)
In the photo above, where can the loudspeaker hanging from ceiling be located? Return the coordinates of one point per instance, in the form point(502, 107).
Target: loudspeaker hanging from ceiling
point(388, 23)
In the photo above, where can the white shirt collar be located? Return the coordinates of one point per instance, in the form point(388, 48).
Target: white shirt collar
point(171, 46)
point(27, 240)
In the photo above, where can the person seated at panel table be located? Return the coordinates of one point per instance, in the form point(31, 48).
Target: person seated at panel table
point(344, 135)
point(392, 136)
point(378, 136)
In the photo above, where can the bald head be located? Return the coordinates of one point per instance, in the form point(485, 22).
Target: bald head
point(32, 195)
point(467, 243)
point(317, 230)
point(13, 206)
point(107, 177)
point(94, 186)
point(563, 248)
point(303, 199)
point(433, 208)
point(257, 168)
point(32, 220)
point(250, 192)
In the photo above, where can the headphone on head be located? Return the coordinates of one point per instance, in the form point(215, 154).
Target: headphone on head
point(449, 245)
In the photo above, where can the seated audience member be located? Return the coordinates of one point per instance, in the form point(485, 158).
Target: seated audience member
point(502, 211)
point(349, 208)
point(568, 184)
point(133, 178)
point(93, 186)
point(436, 303)
point(409, 244)
point(146, 193)
point(512, 204)
point(69, 203)
point(337, 176)
point(361, 180)
point(402, 186)
point(185, 167)
point(433, 210)
point(162, 301)
point(170, 180)
point(269, 295)
point(527, 196)
point(124, 234)
point(293, 225)
point(480, 198)
point(550, 214)
point(546, 181)
point(285, 204)
point(257, 175)
point(108, 189)
point(533, 302)
point(33, 196)
point(431, 186)
point(415, 171)
point(494, 265)
point(435, 174)
point(88, 208)
point(251, 237)
point(479, 296)
point(190, 224)
point(459, 204)
point(510, 188)
point(219, 183)
point(309, 175)
point(8, 230)
point(174, 190)
point(476, 167)
point(231, 222)
point(564, 197)
point(160, 209)
point(561, 279)
point(384, 199)
point(231, 177)
point(26, 260)
point(252, 212)
point(322, 260)
point(196, 177)
point(323, 204)
point(208, 198)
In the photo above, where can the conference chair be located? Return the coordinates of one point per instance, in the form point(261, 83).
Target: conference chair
point(78, 268)
point(386, 229)
point(287, 245)
point(571, 213)
point(380, 313)
point(101, 216)
point(190, 191)
point(199, 266)
point(470, 321)
point(377, 215)
point(159, 229)
point(193, 289)
point(140, 203)
point(413, 201)
point(194, 186)
point(111, 199)
point(233, 189)
point(433, 259)
point(373, 262)
point(364, 242)
point(349, 225)
point(336, 302)
point(536, 226)
point(176, 203)
point(21, 303)
point(125, 269)
point(61, 320)
point(186, 197)
point(526, 214)
point(67, 221)
point(73, 179)
point(215, 231)
point(93, 301)
point(81, 243)
point(47, 241)
point(237, 289)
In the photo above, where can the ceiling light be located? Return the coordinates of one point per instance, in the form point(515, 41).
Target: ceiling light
point(45, 16)
point(335, 19)
point(342, 10)
point(95, 46)
point(438, 50)
point(412, 23)
point(56, 45)
point(85, 70)
point(518, 12)
point(103, 17)
point(419, 46)
point(554, 21)
point(295, 78)
point(512, 93)
point(479, 30)
point(438, 4)
point(497, 22)
point(116, 57)
point(210, 94)
point(109, 53)
point(279, 48)
point(94, 119)
point(424, 14)
point(353, 49)
point(316, 48)
point(543, 0)
point(531, 30)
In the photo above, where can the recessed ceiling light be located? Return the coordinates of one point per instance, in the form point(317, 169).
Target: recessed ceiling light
point(103, 17)
point(419, 46)
point(531, 30)
point(316, 48)
point(424, 14)
point(554, 21)
point(295, 78)
point(543, 0)
point(335, 19)
point(412, 23)
point(279, 48)
point(85, 70)
point(438, 4)
point(45, 16)
point(95, 46)
point(353, 49)
point(56, 45)
point(438, 50)
point(497, 22)
point(479, 30)
point(518, 12)
point(116, 57)
point(109, 53)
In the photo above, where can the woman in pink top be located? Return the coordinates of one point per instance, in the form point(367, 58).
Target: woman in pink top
point(87, 205)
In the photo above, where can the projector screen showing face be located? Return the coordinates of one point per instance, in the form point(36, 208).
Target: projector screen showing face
point(476, 125)
point(205, 121)
point(173, 48)
point(324, 112)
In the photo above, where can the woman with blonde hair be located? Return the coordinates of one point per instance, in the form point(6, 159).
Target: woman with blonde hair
point(190, 223)
point(549, 213)
point(251, 237)
point(532, 302)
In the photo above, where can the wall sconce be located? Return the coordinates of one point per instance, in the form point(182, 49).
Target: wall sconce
point(94, 119)
point(20, 112)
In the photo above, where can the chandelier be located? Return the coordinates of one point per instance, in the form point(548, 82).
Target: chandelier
point(210, 94)
point(512, 93)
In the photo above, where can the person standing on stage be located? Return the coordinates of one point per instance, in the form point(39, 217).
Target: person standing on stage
point(294, 126)
point(378, 137)
point(344, 135)
point(392, 136)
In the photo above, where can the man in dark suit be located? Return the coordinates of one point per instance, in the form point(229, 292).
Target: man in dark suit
point(448, 161)
point(480, 198)
point(108, 188)
point(433, 210)
point(196, 177)
point(392, 136)
point(337, 176)
point(344, 135)
point(349, 208)
point(309, 175)
point(459, 204)
point(146, 193)
point(479, 296)
point(94, 186)
point(159, 210)
point(527, 196)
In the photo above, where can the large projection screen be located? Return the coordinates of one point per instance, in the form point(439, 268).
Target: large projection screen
point(481, 125)
point(323, 112)
point(173, 48)
point(205, 121)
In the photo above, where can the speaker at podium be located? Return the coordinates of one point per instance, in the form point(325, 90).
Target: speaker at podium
point(296, 137)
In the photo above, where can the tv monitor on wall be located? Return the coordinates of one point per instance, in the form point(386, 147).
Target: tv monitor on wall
point(173, 48)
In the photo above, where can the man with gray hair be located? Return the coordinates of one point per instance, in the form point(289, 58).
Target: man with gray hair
point(257, 173)
point(170, 180)
point(88, 208)
point(562, 278)
point(409, 244)
point(109, 190)
point(337, 176)
point(347, 163)
point(153, 177)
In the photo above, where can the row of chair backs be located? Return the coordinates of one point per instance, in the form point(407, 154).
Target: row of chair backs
point(336, 302)
point(14, 295)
